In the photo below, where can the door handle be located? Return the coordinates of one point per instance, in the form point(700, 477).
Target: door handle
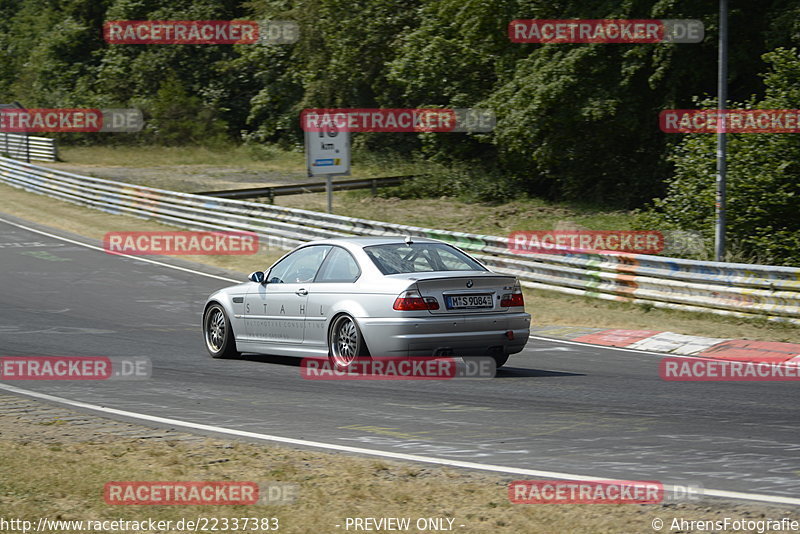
point(302, 292)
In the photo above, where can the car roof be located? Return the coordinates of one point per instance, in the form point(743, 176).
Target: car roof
point(365, 241)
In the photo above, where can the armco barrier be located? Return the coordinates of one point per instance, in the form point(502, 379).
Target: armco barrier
point(17, 146)
point(314, 187)
point(740, 290)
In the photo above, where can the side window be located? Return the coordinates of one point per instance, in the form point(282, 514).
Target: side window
point(300, 266)
point(340, 266)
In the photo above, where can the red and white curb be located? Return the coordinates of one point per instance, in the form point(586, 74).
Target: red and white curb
point(678, 344)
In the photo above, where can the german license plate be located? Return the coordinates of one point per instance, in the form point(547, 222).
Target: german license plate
point(461, 302)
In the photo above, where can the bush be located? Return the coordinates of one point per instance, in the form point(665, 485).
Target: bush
point(177, 118)
point(467, 184)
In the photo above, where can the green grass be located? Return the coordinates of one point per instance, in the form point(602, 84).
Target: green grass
point(203, 169)
point(461, 216)
point(249, 157)
point(243, 156)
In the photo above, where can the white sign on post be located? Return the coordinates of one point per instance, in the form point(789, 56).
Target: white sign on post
point(327, 152)
point(327, 149)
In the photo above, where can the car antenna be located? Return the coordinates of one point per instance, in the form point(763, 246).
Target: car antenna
point(408, 240)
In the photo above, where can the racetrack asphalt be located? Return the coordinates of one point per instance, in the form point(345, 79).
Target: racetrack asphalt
point(573, 408)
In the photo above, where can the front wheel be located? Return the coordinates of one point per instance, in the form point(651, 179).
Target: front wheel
point(218, 333)
point(345, 342)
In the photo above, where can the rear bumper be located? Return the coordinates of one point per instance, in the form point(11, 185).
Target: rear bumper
point(461, 335)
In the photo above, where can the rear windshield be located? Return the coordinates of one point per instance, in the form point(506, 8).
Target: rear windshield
point(420, 258)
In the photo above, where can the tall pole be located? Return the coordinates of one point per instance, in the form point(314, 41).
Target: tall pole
point(722, 141)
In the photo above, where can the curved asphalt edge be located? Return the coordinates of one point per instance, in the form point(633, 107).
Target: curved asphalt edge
point(602, 338)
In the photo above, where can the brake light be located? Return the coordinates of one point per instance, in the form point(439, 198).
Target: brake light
point(412, 301)
point(510, 300)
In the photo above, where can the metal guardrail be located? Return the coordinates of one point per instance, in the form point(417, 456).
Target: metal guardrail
point(27, 147)
point(314, 187)
point(741, 290)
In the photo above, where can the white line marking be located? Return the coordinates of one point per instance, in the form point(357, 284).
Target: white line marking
point(101, 249)
point(582, 344)
point(373, 452)
point(343, 448)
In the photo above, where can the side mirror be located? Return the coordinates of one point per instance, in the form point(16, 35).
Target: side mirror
point(257, 277)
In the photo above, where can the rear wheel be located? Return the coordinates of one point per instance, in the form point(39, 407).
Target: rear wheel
point(345, 342)
point(500, 359)
point(218, 333)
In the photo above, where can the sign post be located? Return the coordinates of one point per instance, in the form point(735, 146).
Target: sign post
point(327, 153)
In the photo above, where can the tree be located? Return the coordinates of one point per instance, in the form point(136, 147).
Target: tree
point(763, 178)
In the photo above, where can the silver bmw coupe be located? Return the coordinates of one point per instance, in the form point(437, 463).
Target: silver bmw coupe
point(378, 297)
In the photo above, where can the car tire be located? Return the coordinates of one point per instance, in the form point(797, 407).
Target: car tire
point(345, 343)
point(500, 359)
point(218, 334)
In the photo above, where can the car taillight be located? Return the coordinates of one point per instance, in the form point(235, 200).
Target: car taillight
point(433, 304)
point(510, 300)
point(412, 301)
